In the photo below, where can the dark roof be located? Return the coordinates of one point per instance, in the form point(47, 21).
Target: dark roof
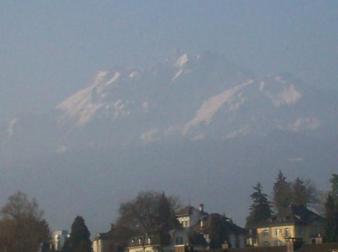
point(229, 225)
point(299, 215)
point(188, 210)
point(103, 236)
point(305, 215)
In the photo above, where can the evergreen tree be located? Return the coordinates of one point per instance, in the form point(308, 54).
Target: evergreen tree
point(331, 215)
point(299, 193)
point(331, 211)
point(79, 240)
point(334, 187)
point(260, 209)
point(166, 219)
point(303, 193)
point(282, 192)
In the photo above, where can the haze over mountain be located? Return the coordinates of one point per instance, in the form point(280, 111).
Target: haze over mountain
point(194, 125)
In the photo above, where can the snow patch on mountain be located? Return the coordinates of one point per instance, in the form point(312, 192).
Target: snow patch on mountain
point(288, 96)
point(182, 60)
point(301, 124)
point(134, 75)
point(119, 108)
point(177, 74)
point(211, 106)
point(308, 123)
point(238, 133)
point(150, 136)
point(11, 127)
point(82, 106)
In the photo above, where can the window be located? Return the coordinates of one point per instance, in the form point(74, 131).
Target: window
point(287, 233)
point(266, 232)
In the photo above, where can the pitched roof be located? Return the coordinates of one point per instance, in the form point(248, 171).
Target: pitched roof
point(228, 224)
point(186, 211)
point(299, 215)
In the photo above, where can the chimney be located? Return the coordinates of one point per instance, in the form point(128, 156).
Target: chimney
point(201, 208)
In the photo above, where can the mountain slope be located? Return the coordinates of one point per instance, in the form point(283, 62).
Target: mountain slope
point(195, 125)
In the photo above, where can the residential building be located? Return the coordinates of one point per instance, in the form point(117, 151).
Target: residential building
point(102, 242)
point(146, 243)
point(300, 224)
point(200, 221)
point(58, 239)
point(189, 216)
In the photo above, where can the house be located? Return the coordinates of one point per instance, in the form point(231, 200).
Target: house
point(189, 216)
point(58, 239)
point(199, 221)
point(145, 243)
point(300, 224)
point(102, 242)
point(112, 241)
point(187, 239)
point(234, 235)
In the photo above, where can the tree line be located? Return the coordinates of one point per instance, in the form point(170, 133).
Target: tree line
point(298, 193)
point(23, 227)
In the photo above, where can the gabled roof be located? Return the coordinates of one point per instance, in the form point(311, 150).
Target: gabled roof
point(188, 210)
point(228, 224)
point(305, 215)
point(103, 236)
point(298, 215)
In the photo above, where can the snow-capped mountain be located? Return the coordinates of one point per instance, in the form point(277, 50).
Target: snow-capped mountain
point(190, 118)
point(193, 97)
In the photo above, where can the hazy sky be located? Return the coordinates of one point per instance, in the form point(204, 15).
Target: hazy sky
point(49, 48)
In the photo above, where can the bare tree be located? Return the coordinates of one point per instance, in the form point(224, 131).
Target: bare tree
point(22, 225)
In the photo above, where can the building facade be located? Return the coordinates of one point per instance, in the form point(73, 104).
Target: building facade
point(58, 239)
point(301, 224)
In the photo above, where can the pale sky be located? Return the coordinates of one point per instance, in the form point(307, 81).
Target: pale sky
point(49, 49)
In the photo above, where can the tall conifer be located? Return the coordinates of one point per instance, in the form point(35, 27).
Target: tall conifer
point(79, 240)
point(260, 209)
point(282, 193)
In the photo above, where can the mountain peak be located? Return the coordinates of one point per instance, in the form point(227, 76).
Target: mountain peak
point(182, 60)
